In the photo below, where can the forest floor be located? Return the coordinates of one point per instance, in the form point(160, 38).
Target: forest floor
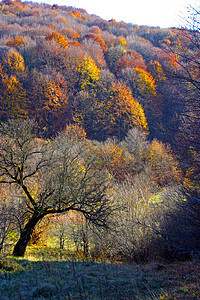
point(56, 276)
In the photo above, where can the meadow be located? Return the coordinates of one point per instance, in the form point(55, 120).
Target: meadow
point(47, 273)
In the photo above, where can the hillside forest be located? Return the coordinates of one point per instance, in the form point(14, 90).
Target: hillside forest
point(99, 134)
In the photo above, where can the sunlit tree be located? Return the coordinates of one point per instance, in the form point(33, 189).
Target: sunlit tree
point(51, 176)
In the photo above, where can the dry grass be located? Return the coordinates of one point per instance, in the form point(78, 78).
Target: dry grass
point(56, 276)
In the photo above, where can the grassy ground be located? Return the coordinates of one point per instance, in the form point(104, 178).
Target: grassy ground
point(52, 275)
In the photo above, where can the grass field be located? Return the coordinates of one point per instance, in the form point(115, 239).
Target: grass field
point(54, 274)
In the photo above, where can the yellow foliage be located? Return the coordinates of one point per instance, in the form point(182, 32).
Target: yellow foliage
point(125, 105)
point(75, 14)
point(168, 42)
point(89, 72)
point(144, 83)
point(15, 62)
point(53, 94)
point(120, 41)
point(13, 100)
point(156, 70)
point(162, 162)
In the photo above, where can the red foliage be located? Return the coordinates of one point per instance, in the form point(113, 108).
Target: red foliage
point(130, 59)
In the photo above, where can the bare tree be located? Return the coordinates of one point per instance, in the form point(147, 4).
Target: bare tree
point(52, 176)
point(184, 47)
point(6, 224)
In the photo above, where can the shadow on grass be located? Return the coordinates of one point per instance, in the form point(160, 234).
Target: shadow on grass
point(61, 277)
point(72, 280)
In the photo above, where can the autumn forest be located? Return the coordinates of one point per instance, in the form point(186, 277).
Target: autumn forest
point(99, 135)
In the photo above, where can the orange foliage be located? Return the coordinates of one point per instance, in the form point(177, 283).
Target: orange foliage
point(54, 97)
point(72, 217)
point(71, 34)
point(13, 3)
point(144, 83)
point(13, 7)
point(77, 15)
point(97, 39)
point(113, 158)
point(141, 83)
point(75, 132)
point(8, 13)
point(59, 38)
point(55, 12)
point(112, 21)
point(75, 44)
point(39, 233)
point(16, 42)
point(1, 74)
point(111, 112)
point(51, 107)
point(125, 105)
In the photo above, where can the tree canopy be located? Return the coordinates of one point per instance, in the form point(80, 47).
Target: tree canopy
point(50, 177)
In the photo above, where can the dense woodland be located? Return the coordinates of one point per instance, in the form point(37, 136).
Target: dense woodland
point(100, 131)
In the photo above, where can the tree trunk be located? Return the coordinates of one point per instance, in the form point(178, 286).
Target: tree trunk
point(25, 235)
point(62, 242)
